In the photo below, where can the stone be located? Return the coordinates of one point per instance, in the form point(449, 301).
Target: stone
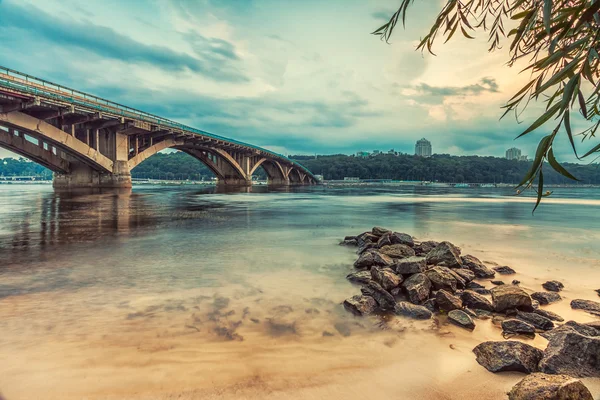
point(507, 297)
point(553, 286)
point(540, 386)
point(483, 314)
point(482, 291)
point(386, 277)
point(360, 305)
point(508, 355)
point(370, 258)
point(535, 304)
point(441, 278)
point(384, 240)
point(367, 246)
point(461, 318)
point(445, 254)
point(406, 309)
point(431, 305)
point(359, 277)
point(423, 248)
point(516, 326)
point(476, 301)
point(546, 297)
point(417, 287)
point(349, 242)
point(538, 321)
point(475, 285)
point(379, 231)
point(397, 251)
point(410, 265)
point(497, 283)
point(598, 291)
point(460, 282)
point(447, 301)
point(593, 307)
point(549, 314)
point(366, 237)
point(479, 269)
point(505, 270)
point(385, 300)
point(466, 274)
point(572, 353)
point(515, 282)
point(402, 238)
point(572, 326)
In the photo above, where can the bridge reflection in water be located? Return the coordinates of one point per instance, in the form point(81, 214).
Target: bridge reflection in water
point(92, 142)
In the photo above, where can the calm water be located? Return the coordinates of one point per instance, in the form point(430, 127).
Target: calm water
point(180, 291)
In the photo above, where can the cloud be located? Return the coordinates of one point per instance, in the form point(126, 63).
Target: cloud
point(107, 43)
point(484, 85)
point(383, 15)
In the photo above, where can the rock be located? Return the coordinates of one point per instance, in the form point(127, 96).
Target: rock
point(539, 386)
point(386, 277)
point(475, 285)
point(598, 291)
point(397, 251)
point(327, 334)
point(553, 286)
point(349, 242)
point(366, 237)
point(423, 248)
point(418, 287)
point(572, 326)
point(460, 282)
point(379, 231)
point(370, 258)
point(431, 305)
point(441, 278)
point(536, 320)
point(515, 282)
point(410, 265)
point(360, 305)
point(593, 307)
point(445, 254)
point(479, 269)
point(483, 314)
point(359, 277)
point(572, 353)
point(535, 304)
point(516, 326)
point(349, 237)
point(509, 355)
point(482, 291)
point(504, 270)
point(497, 283)
point(395, 291)
point(385, 300)
point(466, 274)
point(476, 301)
point(368, 245)
point(506, 297)
point(549, 314)
point(384, 240)
point(546, 297)
point(407, 309)
point(447, 301)
point(343, 328)
point(402, 238)
point(461, 318)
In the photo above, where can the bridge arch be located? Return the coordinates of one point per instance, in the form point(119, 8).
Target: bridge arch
point(17, 143)
point(274, 170)
point(152, 150)
point(225, 168)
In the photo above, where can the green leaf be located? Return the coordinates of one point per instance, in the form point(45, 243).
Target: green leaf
point(559, 76)
point(582, 104)
point(542, 120)
point(568, 92)
point(547, 15)
point(465, 34)
point(539, 191)
point(557, 167)
point(537, 162)
point(567, 122)
point(595, 149)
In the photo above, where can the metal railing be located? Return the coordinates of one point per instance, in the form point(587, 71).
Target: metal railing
point(24, 83)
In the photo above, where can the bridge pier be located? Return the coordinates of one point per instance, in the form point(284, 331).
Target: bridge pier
point(82, 176)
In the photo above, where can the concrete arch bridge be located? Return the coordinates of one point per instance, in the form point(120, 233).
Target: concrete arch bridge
point(91, 142)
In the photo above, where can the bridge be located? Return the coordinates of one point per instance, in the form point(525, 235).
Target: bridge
point(89, 142)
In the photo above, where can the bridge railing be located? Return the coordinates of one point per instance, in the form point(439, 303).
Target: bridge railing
point(22, 82)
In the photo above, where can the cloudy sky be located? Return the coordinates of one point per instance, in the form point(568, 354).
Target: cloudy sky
point(299, 77)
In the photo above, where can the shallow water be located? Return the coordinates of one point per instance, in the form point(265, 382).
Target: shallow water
point(180, 292)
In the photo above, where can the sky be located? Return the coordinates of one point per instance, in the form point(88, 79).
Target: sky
point(301, 77)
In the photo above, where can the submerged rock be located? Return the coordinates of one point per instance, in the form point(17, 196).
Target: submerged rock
point(349, 242)
point(516, 282)
point(553, 286)
point(386, 277)
point(572, 353)
point(593, 307)
point(509, 355)
point(497, 283)
point(479, 269)
point(371, 258)
point(385, 300)
point(407, 309)
point(505, 270)
point(397, 251)
point(539, 386)
point(360, 305)
point(516, 326)
point(445, 254)
point(538, 321)
point(446, 301)
point(461, 318)
point(410, 265)
point(549, 314)
point(359, 277)
point(476, 301)
point(423, 248)
point(546, 297)
point(418, 287)
point(402, 238)
point(441, 278)
point(508, 297)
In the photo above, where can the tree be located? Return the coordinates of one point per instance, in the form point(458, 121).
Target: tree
point(561, 41)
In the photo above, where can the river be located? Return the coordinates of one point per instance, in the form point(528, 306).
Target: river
point(187, 293)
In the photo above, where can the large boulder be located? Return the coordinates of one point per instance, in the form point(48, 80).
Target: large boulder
point(476, 301)
point(479, 269)
point(516, 326)
point(538, 321)
point(553, 286)
point(460, 282)
point(446, 301)
point(441, 278)
point(397, 251)
point(410, 265)
point(546, 297)
point(572, 326)
point(379, 231)
point(417, 287)
point(359, 277)
point(360, 305)
point(508, 356)
point(366, 246)
point(384, 240)
point(385, 300)
point(461, 318)
point(386, 277)
point(445, 254)
point(507, 297)
point(539, 386)
point(423, 248)
point(572, 353)
point(466, 274)
point(593, 307)
point(402, 238)
point(406, 309)
point(371, 258)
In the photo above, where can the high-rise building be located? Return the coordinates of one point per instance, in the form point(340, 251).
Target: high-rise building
point(513, 154)
point(423, 148)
